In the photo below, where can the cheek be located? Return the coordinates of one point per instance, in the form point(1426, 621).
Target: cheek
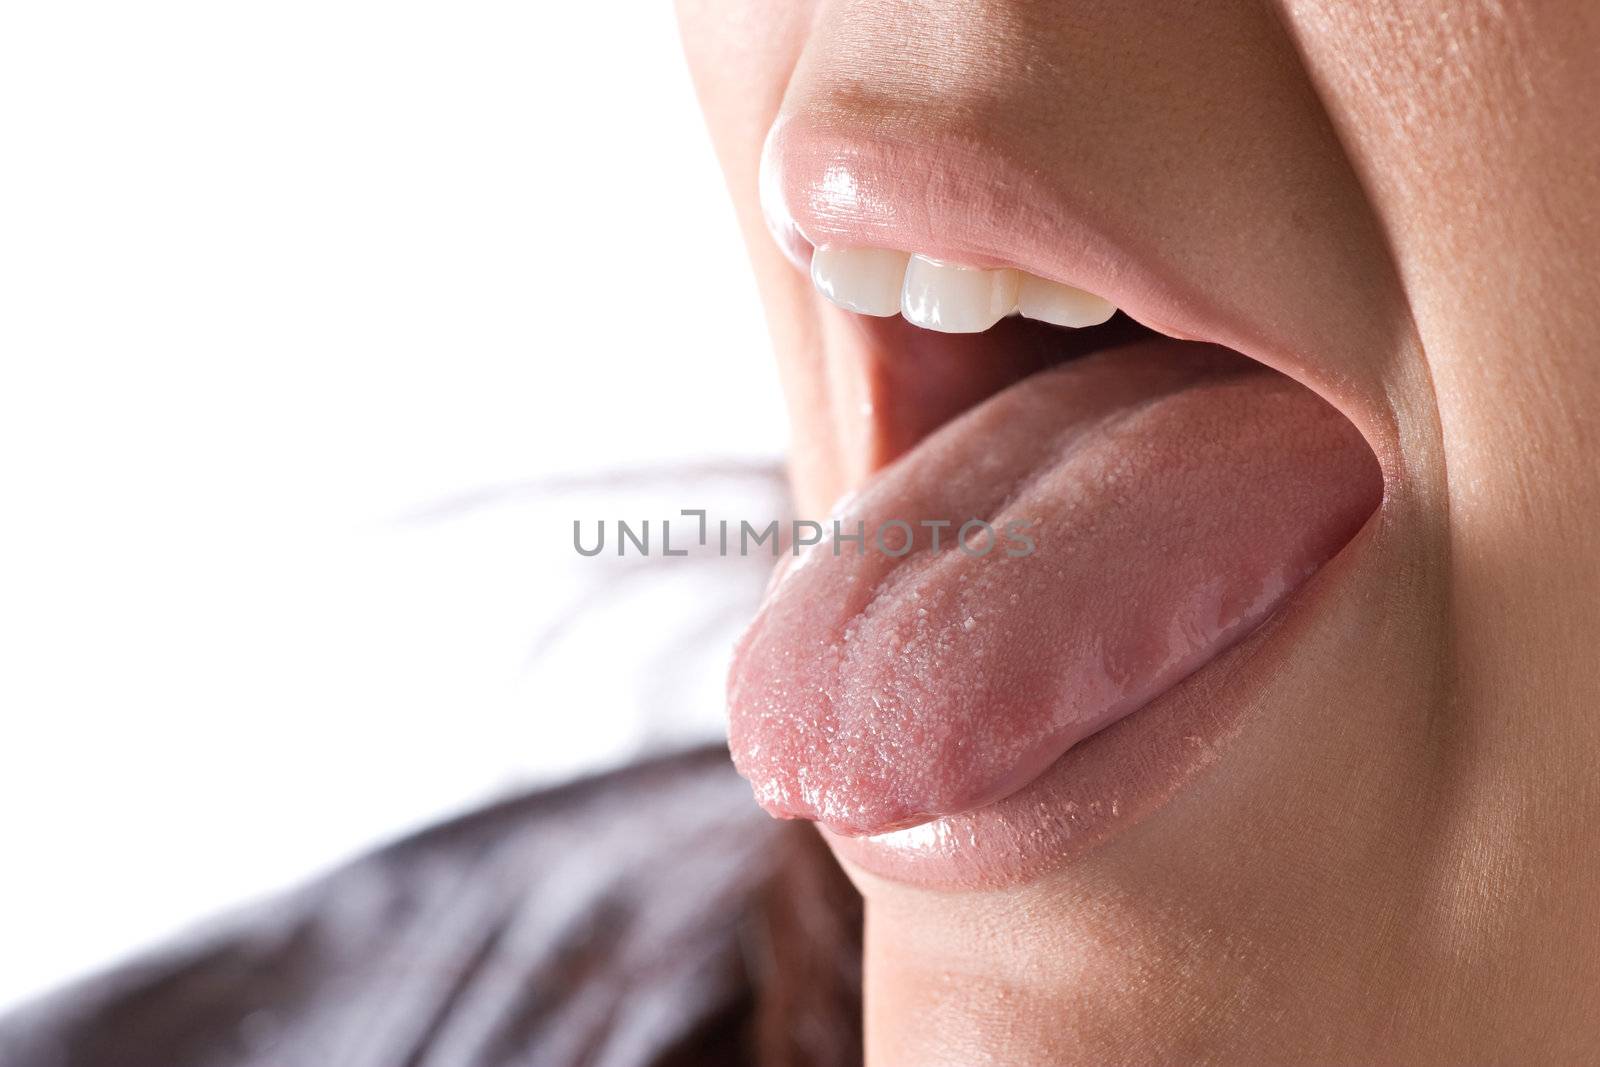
point(741, 54)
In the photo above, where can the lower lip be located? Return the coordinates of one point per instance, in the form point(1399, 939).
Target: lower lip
point(972, 718)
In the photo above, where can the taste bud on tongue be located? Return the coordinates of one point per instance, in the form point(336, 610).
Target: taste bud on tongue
point(1177, 493)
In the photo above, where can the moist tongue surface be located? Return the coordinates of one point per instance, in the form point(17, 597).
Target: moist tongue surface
point(1173, 495)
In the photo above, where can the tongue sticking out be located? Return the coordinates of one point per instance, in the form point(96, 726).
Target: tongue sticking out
point(1161, 500)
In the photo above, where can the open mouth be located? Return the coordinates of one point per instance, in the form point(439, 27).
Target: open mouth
point(1141, 504)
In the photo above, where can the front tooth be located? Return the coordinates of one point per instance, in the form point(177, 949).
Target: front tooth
point(866, 280)
point(951, 299)
point(1061, 304)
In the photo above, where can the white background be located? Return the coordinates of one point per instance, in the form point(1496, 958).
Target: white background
point(278, 284)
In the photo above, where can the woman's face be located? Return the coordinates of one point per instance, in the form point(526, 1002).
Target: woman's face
point(1100, 812)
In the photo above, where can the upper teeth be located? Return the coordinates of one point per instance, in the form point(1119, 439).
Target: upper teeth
point(945, 297)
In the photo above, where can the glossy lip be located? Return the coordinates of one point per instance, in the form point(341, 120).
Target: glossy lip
point(849, 183)
point(1111, 780)
point(830, 181)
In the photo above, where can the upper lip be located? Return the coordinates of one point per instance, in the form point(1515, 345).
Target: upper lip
point(849, 179)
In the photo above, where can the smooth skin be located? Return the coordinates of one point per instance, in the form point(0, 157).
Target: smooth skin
point(1398, 859)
